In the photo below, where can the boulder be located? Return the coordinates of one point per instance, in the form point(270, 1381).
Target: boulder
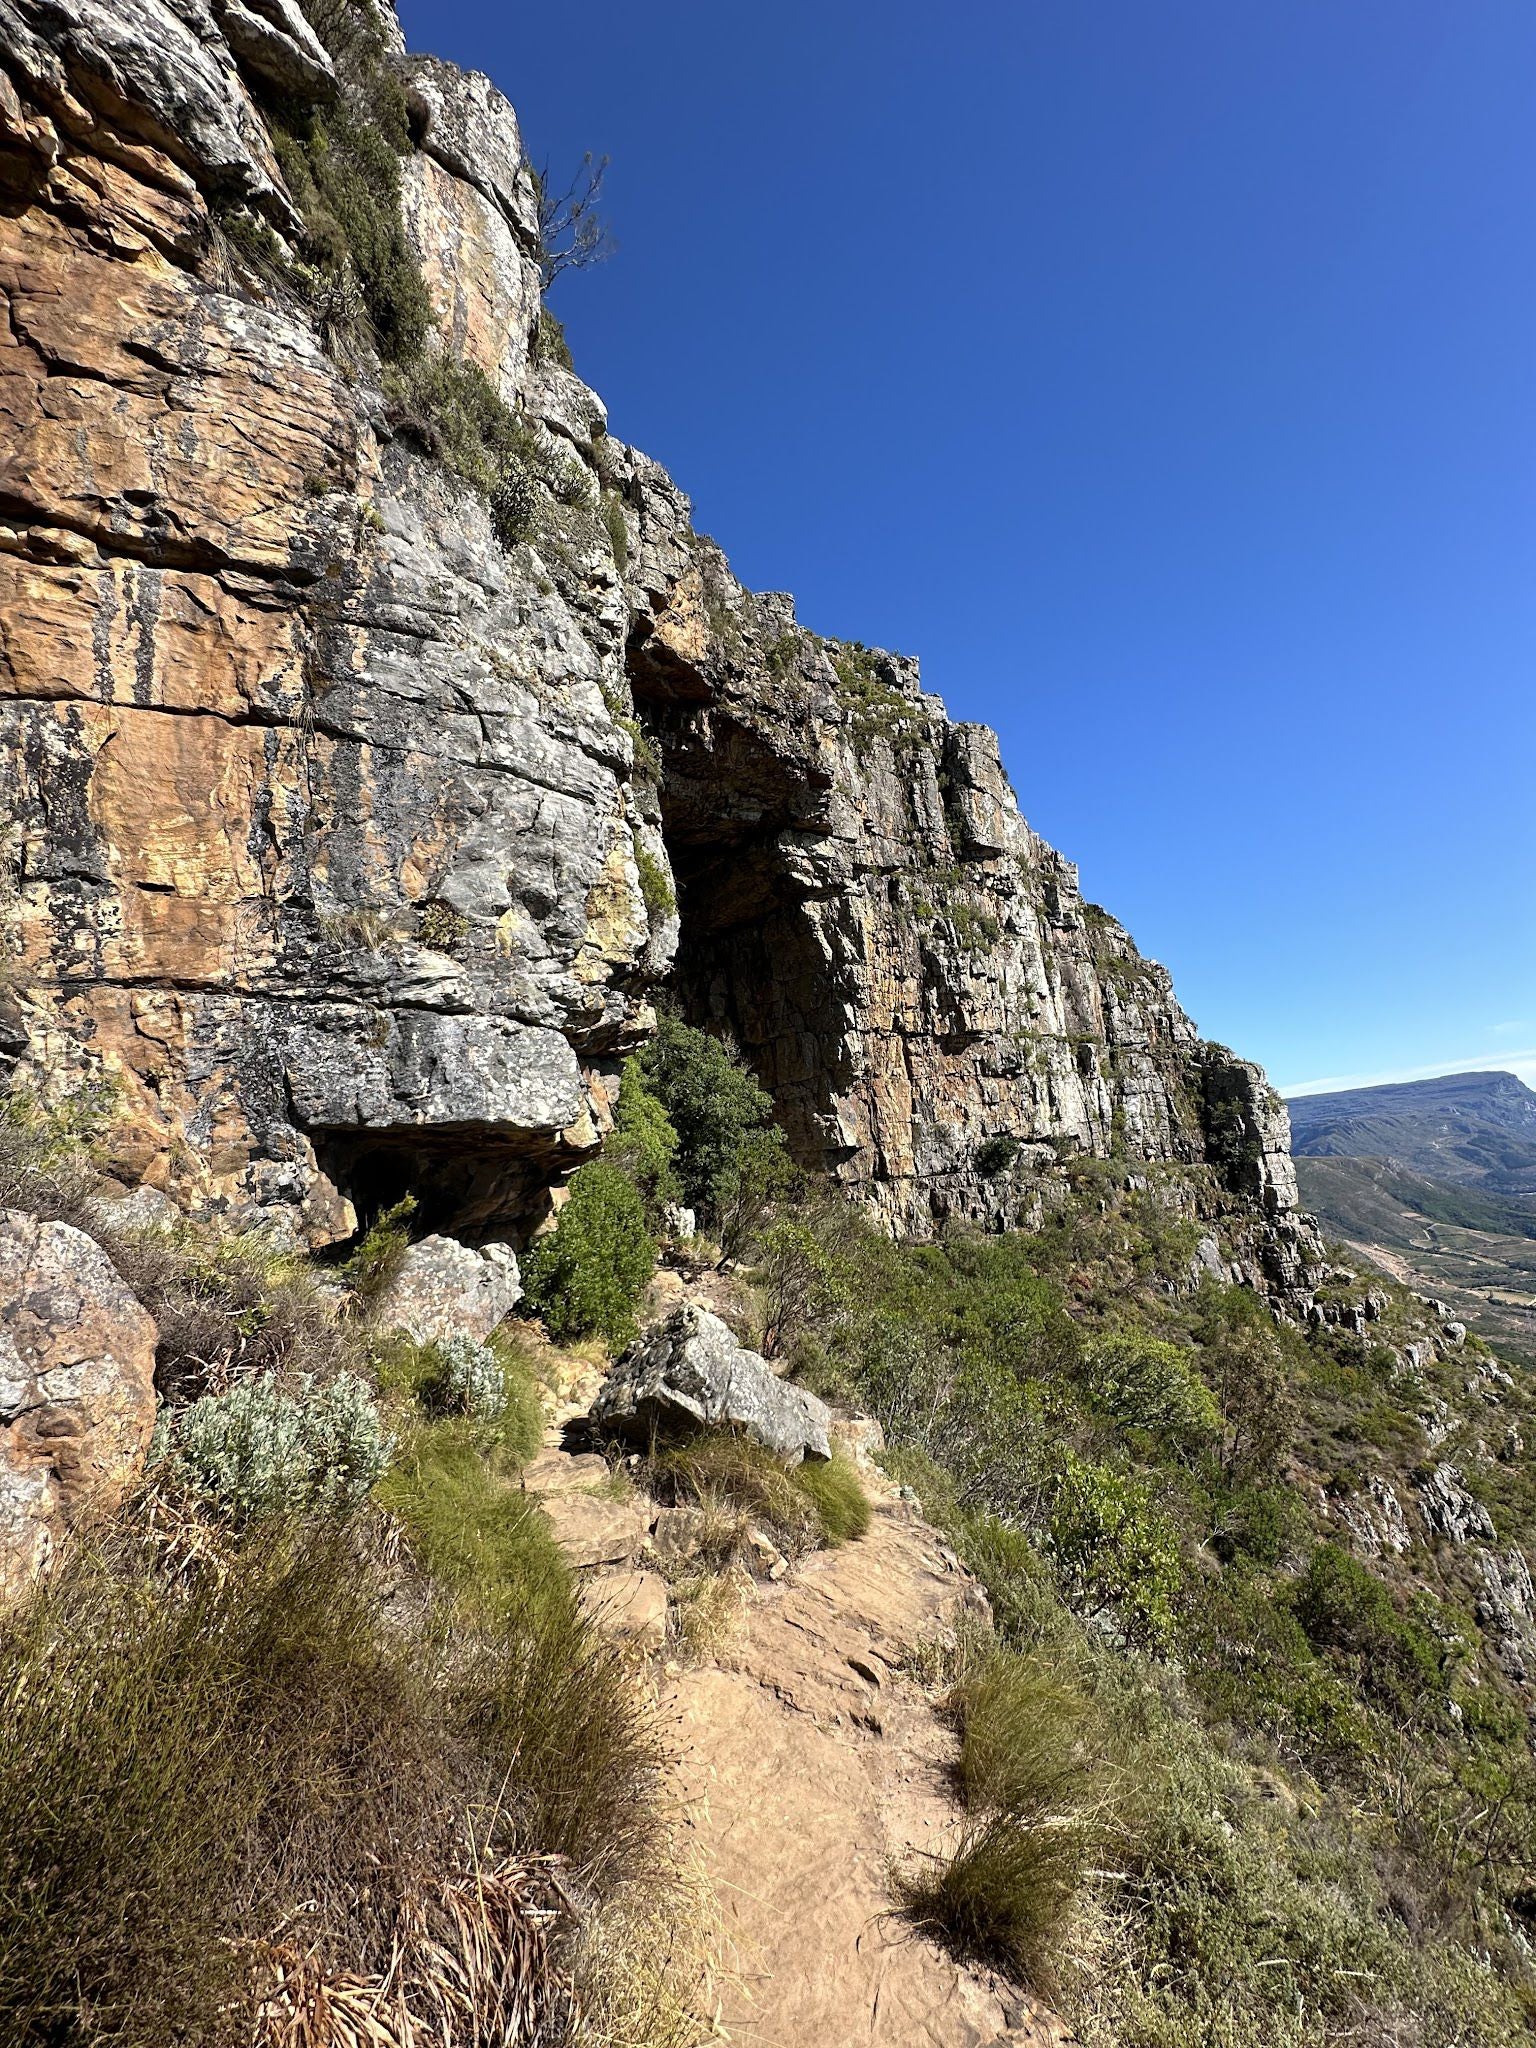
point(77, 1388)
point(691, 1369)
point(447, 1289)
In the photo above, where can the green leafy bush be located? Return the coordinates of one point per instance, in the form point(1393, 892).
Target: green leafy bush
point(996, 1154)
point(1113, 1552)
point(1346, 1610)
point(584, 1277)
point(1145, 1383)
point(644, 1142)
point(727, 1148)
point(256, 1450)
point(655, 884)
point(374, 1263)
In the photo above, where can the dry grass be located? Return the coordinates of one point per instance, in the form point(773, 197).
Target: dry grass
point(707, 1609)
point(228, 1308)
point(472, 1958)
point(221, 1760)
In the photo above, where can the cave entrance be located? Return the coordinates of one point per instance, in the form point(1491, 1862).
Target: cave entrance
point(737, 818)
point(469, 1184)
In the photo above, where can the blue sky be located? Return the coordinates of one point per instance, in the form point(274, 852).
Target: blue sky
point(1163, 376)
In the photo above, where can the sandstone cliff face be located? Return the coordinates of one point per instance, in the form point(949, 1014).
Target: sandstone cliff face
point(326, 835)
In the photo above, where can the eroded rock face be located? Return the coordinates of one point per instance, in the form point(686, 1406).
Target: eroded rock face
point(690, 1369)
point(77, 1389)
point(941, 1017)
point(326, 835)
point(321, 823)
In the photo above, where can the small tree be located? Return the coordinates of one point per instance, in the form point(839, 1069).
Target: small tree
point(585, 1277)
point(729, 1157)
point(797, 1280)
point(644, 1141)
point(572, 234)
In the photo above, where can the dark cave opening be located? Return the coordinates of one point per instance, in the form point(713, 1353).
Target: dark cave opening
point(468, 1183)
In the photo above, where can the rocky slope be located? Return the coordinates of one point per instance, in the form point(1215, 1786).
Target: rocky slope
point(350, 832)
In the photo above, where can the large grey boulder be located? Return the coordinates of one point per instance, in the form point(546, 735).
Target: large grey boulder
point(77, 1389)
point(691, 1369)
point(447, 1289)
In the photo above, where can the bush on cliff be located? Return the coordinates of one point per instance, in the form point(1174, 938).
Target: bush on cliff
point(730, 1156)
point(584, 1277)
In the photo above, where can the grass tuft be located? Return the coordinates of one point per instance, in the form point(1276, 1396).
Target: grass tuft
point(740, 1484)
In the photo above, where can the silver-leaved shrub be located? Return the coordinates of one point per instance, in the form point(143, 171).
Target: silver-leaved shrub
point(257, 1450)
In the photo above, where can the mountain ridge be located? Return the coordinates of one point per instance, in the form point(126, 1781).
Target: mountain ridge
point(1475, 1128)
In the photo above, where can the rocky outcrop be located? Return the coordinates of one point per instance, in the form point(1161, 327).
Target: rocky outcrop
point(77, 1389)
point(350, 833)
point(689, 1370)
point(1449, 1509)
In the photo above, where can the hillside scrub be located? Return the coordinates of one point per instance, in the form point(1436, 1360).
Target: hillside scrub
point(1133, 1465)
point(274, 1776)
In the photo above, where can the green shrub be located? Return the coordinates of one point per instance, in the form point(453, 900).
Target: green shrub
point(374, 1263)
point(456, 412)
point(655, 885)
point(617, 530)
point(1112, 1552)
point(441, 928)
point(586, 1275)
point(549, 342)
point(996, 1154)
point(715, 1106)
point(797, 1278)
point(342, 166)
point(1346, 1610)
point(256, 1451)
point(644, 1142)
point(760, 1175)
point(1145, 1383)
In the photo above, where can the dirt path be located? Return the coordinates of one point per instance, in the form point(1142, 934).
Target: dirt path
point(810, 1765)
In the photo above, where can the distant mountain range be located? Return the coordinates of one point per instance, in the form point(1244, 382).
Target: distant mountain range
point(1475, 1130)
point(1435, 1180)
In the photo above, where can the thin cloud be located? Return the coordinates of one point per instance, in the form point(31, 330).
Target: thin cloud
point(1503, 1062)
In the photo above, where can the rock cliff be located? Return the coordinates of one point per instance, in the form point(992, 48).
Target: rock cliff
point(356, 813)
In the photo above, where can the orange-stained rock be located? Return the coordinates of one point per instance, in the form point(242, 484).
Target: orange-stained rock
point(77, 1389)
